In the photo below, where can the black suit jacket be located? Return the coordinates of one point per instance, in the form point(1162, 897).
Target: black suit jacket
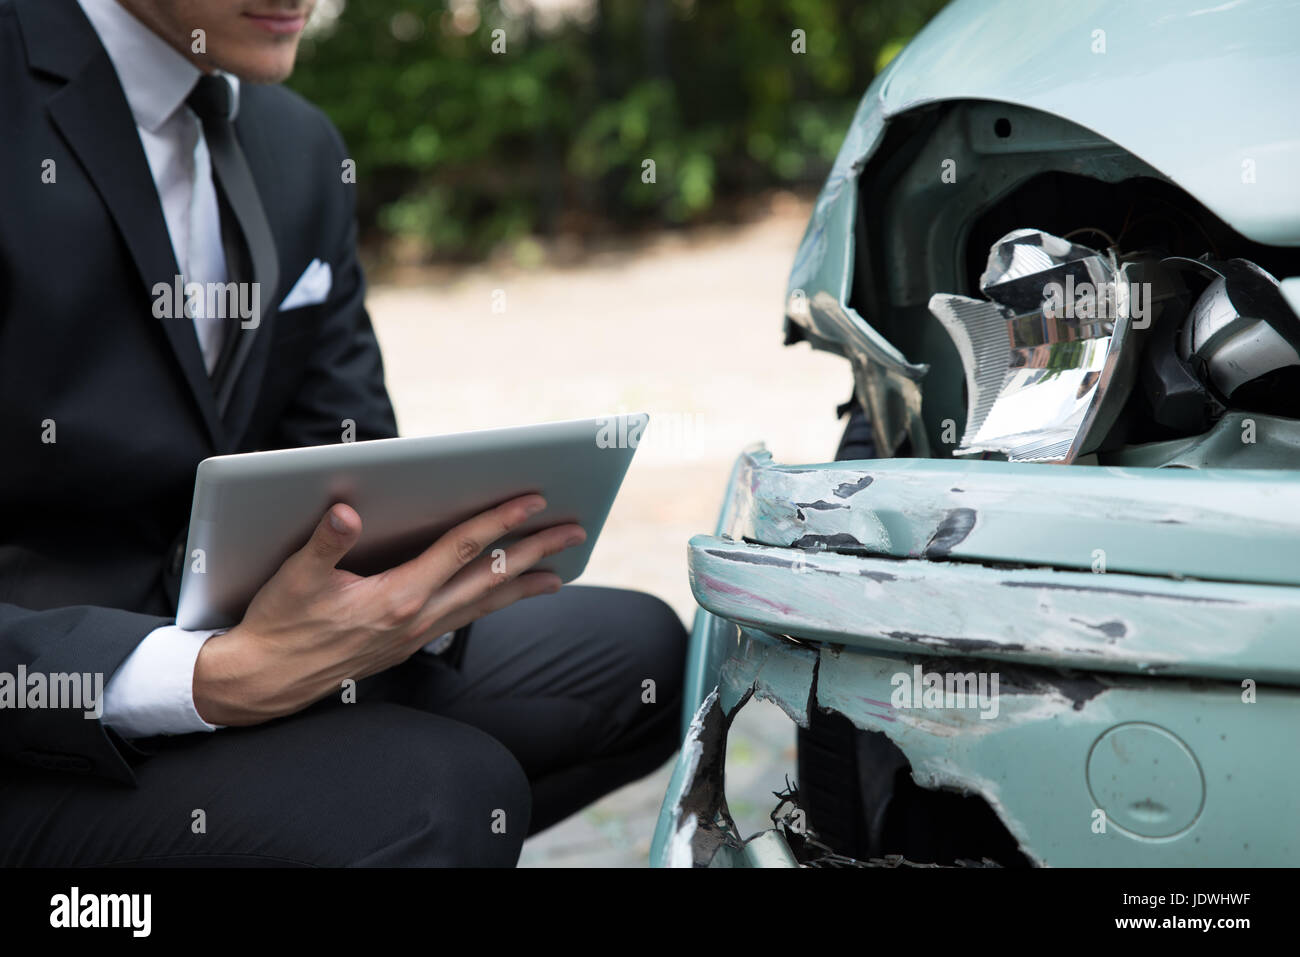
point(92, 525)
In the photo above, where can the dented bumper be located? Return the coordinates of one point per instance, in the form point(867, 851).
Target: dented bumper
point(1127, 635)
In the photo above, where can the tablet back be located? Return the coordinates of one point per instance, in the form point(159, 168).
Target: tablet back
point(251, 511)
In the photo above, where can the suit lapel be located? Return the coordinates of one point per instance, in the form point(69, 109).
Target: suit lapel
point(92, 114)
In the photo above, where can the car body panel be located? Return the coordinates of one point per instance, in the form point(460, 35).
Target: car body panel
point(1217, 524)
point(1063, 619)
point(1148, 533)
point(1138, 773)
point(825, 582)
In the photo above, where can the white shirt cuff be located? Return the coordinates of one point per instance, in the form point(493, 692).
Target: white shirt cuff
point(153, 691)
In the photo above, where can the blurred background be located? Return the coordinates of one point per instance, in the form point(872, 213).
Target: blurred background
point(463, 152)
point(573, 207)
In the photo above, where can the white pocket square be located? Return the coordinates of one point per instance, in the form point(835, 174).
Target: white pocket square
point(312, 287)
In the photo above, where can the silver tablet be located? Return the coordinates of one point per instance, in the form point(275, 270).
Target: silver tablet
point(251, 511)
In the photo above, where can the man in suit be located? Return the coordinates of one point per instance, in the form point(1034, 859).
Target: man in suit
point(148, 150)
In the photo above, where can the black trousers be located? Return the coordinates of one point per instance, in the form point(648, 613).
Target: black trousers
point(552, 703)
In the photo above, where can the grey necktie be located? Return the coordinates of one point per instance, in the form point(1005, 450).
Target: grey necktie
point(245, 232)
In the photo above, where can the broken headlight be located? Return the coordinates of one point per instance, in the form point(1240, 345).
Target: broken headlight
point(1050, 355)
point(1042, 353)
point(1242, 338)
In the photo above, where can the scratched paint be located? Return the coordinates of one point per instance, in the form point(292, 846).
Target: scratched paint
point(1219, 524)
point(1030, 763)
point(1065, 619)
point(739, 594)
point(1139, 645)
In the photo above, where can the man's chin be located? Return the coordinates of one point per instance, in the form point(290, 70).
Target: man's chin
point(267, 69)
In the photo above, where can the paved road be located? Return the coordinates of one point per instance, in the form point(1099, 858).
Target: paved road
point(687, 328)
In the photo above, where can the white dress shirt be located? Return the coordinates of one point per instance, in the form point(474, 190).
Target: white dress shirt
point(153, 691)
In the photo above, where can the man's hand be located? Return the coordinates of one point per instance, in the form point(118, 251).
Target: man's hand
point(313, 625)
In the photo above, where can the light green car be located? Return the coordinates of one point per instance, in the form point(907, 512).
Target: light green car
point(1043, 608)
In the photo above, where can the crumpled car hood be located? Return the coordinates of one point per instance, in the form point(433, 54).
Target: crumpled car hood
point(1196, 88)
point(1168, 89)
point(1203, 92)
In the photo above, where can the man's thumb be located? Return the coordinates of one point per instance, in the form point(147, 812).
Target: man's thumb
point(335, 534)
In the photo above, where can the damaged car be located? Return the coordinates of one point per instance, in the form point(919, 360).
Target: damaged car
point(1042, 606)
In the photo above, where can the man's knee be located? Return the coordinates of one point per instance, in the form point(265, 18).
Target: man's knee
point(403, 788)
point(460, 796)
point(654, 642)
point(645, 643)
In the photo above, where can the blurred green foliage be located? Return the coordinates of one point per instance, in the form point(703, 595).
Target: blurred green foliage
point(460, 148)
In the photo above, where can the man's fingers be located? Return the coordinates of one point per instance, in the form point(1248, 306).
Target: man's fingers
point(525, 586)
point(491, 572)
point(424, 574)
point(335, 534)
